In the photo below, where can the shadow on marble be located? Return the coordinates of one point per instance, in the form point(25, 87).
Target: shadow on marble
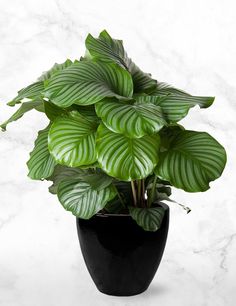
point(155, 290)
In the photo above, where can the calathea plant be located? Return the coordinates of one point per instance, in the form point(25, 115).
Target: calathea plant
point(113, 144)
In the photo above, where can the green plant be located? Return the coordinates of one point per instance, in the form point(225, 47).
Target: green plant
point(113, 143)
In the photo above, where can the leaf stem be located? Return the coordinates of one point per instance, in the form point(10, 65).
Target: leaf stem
point(120, 197)
point(151, 196)
point(139, 183)
point(134, 193)
point(143, 193)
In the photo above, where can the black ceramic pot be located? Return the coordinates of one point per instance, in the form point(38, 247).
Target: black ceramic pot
point(121, 257)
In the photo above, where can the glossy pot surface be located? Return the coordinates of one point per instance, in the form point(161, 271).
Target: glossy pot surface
point(121, 257)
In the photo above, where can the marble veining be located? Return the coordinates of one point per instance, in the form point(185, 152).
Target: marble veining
point(190, 44)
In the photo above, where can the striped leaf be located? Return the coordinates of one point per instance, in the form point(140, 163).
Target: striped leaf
point(52, 111)
point(71, 140)
point(61, 173)
point(126, 158)
point(24, 108)
point(175, 107)
point(193, 160)
point(132, 120)
point(41, 164)
point(166, 89)
point(107, 49)
point(82, 199)
point(55, 68)
point(149, 219)
point(85, 83)
point(33, 91)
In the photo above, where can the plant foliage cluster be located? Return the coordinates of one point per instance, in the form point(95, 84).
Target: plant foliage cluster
point(113, 142)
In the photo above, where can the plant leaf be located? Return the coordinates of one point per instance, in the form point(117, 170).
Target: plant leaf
point(132, 120)
point(24, 108)
point(85, 83)
point(107, 49)
point(175, 107)
point(88, 112)
point(126, 158)
point(55, 68)
point(72, 140)
point(61, 173)
point(149, 219)
point(166, 89)
point(52, 111)
point(82, 199)
point(33, 92)
point(41, 164)
point(192, 161)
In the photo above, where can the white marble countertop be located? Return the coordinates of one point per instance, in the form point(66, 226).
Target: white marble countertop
point(190, 44)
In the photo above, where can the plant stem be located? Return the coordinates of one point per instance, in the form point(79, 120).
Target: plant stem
point(143, 193)
point(120, 198)
point(139, 192)
point(151, 197)
point(134, 193)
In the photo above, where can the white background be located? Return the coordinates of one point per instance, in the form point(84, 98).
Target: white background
point(190, 44)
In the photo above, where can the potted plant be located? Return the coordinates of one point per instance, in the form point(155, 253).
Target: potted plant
point(112, 149)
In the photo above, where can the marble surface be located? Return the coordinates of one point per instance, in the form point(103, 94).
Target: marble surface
point(190, 44)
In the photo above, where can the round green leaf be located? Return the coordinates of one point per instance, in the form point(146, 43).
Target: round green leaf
point(86, 82)
point(71, 140)
point(126, 158)
point(82, 199)
point(132, 120)
point(149, 219)
point(41, 163)
point(192, 161)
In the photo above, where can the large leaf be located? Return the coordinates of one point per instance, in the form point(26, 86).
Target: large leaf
point(79, 197)
point(41, 164)
point(33, 91)
point(86, 83)
point(133, 120)
point(192, 161)
point(55, 68)
point(72, 140)
point(175, 107)
point(149, 219)
point(24, 108)
point(109, 50)
point(126, 158)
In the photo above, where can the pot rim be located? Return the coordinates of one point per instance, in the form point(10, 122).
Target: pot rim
point(99, 214)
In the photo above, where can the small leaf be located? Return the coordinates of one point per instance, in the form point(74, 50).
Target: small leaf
point(72, 140)
point(52, 111)
point(82, 199)
point(61, 173)
point(33, 92)
point(41, 164)
point(85, 83)
point(55, 68)
point(192, 161)
point(175, 107)
point(24, 108)
point(149, 219)
point(126, 158)
point(132, 120)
